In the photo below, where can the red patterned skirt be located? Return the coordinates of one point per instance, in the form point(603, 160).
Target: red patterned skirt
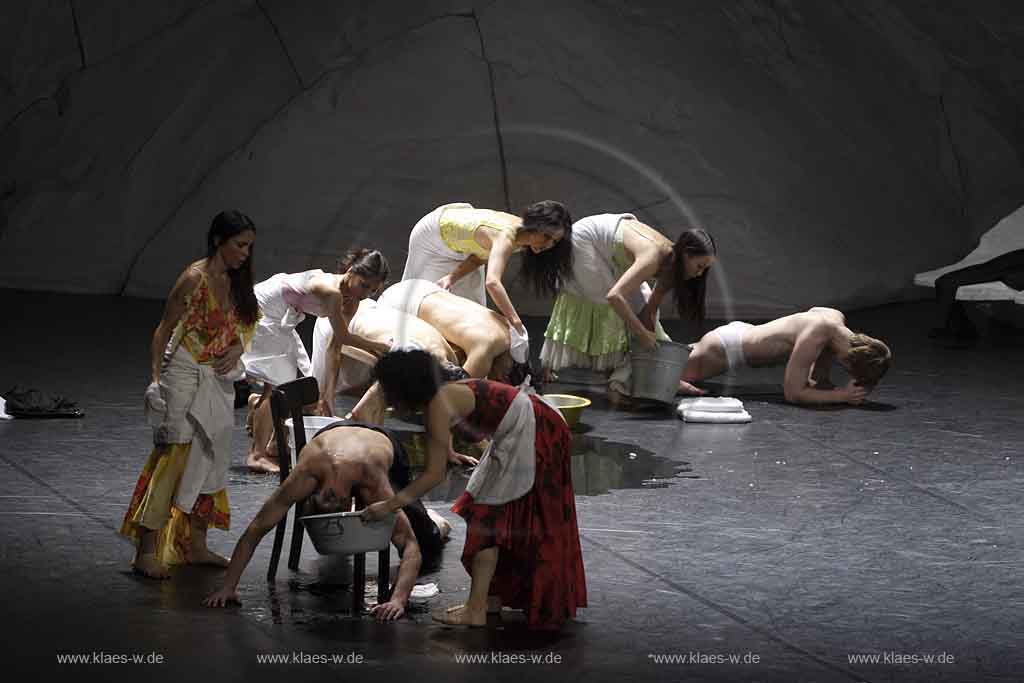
point(540, 564)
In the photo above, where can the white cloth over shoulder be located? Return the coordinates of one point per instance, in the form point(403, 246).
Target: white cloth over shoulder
point(508, 466)
point(721, 410)
point(200, 411)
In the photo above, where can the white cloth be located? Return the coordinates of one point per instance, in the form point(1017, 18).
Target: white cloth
point(407, 295)
point(3, 410)
point(200, 411)
point(519, 344)
point(713, 404)
point(731, 336)
point(508, 465)
point(713, 410)
point(716, 418)
point(430, 259)
point(277, 351)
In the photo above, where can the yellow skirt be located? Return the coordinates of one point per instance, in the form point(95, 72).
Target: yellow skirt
point(152, 505)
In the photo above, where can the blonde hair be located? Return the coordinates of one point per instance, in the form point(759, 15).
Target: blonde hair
point(869, 359)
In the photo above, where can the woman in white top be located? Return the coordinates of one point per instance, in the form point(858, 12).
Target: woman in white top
point(277, 352)
point(451, 245)
point(608, 299)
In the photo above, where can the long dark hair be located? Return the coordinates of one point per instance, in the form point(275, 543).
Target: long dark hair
point(366, 263)
point(224, 226)
point(690, 294)
point(547, 270)
point(409, 378)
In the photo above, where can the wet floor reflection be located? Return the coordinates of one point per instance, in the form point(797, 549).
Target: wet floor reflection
point(598, 466)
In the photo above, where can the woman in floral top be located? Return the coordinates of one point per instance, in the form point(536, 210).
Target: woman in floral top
point(208, 320)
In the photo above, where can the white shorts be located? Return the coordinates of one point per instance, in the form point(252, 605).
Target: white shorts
point(731, 336)
point(407, 295)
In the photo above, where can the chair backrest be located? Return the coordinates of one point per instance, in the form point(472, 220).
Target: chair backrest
point(287, 401)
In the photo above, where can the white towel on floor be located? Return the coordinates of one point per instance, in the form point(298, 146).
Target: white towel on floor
point(712, 404)
point(721, 410)
point(716, 418)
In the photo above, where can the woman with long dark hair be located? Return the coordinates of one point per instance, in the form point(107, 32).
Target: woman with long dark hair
point(208, 319)
point(522, 541)
point(277, 352)
point(451, 245)
point(608, 299)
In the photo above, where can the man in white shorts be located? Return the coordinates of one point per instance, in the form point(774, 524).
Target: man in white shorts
point(807, 343)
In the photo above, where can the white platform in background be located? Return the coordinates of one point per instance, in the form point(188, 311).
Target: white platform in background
point(1006, 236)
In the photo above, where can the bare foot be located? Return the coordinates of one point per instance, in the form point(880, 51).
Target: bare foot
point(148, 566)
point(207, 556)
point(689, 389)
point(618, 399)
point(460, 615)
point(261, 464)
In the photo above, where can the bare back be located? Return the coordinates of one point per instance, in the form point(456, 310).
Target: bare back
point(365, 454)
point(772, 343)
point(382, 324)
point(464, 323)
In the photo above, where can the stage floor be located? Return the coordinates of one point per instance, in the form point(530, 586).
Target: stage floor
point(794, 544)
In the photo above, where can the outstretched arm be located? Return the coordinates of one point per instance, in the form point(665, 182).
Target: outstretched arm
point(501, 250)
point(643, 267)
point(471, 263)
point(409, 568)
point(298, 486)
point(340, 319)
point(649, 313)
point(796, 385)
point(438, 417)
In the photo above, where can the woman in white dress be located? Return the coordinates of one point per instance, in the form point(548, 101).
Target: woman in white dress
point(607, 300)
point(277, 352)
point(452, 244)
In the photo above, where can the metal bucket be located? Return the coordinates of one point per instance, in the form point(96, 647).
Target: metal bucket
point(655, 374)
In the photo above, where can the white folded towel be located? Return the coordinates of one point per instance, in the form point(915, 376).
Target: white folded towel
point(711, 404)
point(722, 410)
point(716, 418)
point(423, 592)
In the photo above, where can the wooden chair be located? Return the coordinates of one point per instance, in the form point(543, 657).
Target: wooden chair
point(287, 401)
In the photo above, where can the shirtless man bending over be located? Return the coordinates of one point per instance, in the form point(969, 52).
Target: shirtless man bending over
point(342, 460)
point(491, 347)
point(807, 342)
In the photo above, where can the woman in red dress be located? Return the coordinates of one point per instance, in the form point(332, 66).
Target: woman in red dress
point(522, 542)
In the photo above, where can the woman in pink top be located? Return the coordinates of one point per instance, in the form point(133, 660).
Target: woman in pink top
point(278, 354)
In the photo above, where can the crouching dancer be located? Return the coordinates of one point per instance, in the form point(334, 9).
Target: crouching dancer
point(342, 460)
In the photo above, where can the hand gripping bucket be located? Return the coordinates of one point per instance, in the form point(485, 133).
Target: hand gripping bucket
point(655, 374)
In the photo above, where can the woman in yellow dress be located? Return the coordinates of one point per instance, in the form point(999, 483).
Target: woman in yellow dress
point(451, 245)
point(209, 318)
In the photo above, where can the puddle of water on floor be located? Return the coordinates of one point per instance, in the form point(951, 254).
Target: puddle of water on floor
point(598, 466)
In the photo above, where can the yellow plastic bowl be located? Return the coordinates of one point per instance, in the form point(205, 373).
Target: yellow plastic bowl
point(570, 406)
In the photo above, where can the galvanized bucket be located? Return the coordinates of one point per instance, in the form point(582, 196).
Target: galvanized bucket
point(655, 374)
